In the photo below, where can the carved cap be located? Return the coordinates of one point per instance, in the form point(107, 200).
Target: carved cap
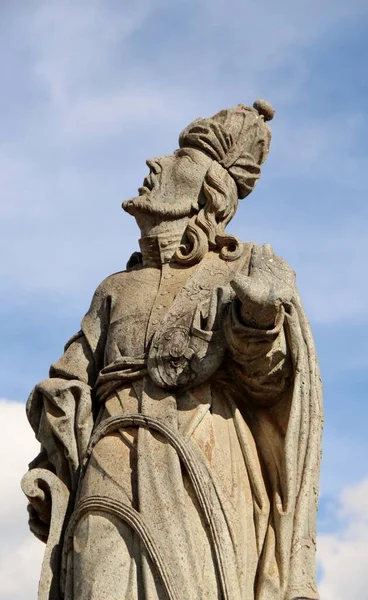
point(238, 138)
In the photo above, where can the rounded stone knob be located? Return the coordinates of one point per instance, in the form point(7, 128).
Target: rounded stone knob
point(263, 107)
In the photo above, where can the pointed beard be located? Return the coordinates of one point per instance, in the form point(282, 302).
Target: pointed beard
point(142, 204)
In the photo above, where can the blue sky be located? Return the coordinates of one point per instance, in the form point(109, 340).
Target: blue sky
point(91, 89)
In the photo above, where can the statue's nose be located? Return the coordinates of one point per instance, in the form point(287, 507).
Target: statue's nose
point(153, 165)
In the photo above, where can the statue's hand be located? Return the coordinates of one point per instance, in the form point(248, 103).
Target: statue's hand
point(269, 285)
point(39, 517)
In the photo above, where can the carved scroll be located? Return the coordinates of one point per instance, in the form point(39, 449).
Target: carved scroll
point(36, 484)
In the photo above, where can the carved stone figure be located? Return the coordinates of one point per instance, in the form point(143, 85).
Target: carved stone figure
point(180, 430)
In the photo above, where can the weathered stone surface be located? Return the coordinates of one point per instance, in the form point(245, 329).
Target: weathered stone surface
point(183, 421)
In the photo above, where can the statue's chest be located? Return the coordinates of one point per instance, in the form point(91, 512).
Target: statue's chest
point(139, 306)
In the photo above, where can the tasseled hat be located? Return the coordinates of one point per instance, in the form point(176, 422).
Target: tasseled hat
point(238, 138)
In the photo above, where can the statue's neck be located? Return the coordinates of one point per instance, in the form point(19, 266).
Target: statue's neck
point(160, 239)
point(152, 224)
point(158, 249)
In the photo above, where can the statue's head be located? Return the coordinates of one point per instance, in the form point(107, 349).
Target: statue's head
point(218, 163)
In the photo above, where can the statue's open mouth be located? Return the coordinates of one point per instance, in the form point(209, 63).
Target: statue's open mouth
point(147, 186)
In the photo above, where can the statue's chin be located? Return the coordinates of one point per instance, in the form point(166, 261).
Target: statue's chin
point(130, 206)
point(140, 204)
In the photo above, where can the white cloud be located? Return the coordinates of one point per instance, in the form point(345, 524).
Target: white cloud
point(112, 113)
point(343, 555)
point(74, 42)
point(77, 47)
point(82, 55)
point(20, 552)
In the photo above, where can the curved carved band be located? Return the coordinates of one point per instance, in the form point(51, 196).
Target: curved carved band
point(132, 517)
point(202, 484)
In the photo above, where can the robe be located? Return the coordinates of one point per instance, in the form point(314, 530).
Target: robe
point(198, 491)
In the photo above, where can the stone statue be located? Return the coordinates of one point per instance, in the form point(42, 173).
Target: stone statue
point(180, 430)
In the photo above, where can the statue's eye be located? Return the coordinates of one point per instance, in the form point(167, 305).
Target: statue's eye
point(183, 154)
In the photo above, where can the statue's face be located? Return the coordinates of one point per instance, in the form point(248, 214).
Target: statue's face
point(173, 185)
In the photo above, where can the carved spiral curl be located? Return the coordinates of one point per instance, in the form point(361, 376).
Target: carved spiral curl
point(206, 230)
point(195, 247)
point(230, 246)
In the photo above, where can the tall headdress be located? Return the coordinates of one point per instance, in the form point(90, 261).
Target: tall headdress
point(237, 138)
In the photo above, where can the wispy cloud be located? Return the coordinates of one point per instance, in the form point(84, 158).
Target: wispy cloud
point(20, 553)
point(343, 555)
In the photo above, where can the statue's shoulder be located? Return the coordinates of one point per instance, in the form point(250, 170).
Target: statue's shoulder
point(115, 282)
point(112, 283)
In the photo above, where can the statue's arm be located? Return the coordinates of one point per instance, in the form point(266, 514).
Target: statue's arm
point(255, 326)
point(60, 408)
point(84, 352)
point(260, 356)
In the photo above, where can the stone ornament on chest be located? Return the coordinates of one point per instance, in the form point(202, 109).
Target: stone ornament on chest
point(189, 344)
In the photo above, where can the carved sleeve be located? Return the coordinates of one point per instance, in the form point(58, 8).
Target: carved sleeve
point(84, 352)
point(77, 362)
point(59, 408)
point(260, 356)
